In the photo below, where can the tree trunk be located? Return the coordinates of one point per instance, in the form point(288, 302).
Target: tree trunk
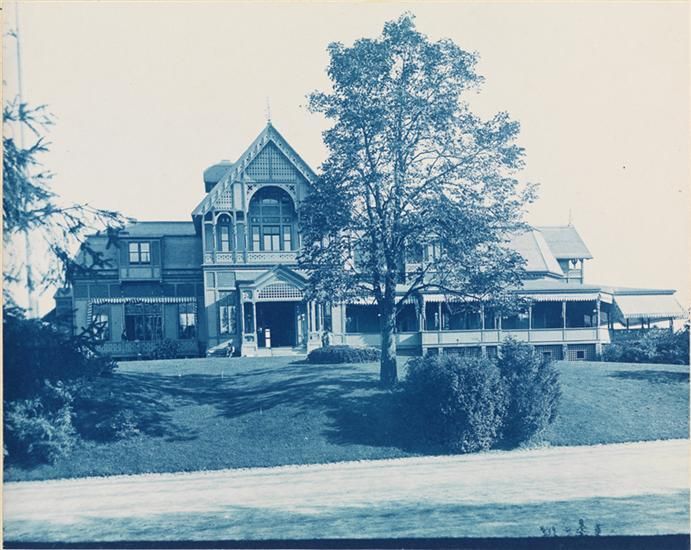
point(388, 373)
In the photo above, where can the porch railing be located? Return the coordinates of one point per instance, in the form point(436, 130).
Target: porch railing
point(144, 348)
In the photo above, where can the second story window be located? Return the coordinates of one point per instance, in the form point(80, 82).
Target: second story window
point(224, 227)
point(272, 220)
point(140, 253)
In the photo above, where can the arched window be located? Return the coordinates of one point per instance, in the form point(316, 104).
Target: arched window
point(208, 232)
point(224, 233)
point(272, 220)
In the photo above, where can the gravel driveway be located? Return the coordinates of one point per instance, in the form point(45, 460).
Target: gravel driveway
point(630, 488)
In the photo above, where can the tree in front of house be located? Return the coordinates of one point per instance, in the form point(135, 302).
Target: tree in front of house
point(43, 366)
point(413, 177)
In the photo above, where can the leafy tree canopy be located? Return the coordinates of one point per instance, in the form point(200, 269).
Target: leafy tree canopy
point(411, 174)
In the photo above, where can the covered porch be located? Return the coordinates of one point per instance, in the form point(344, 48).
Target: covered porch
point(564, 324)
point(642, 310)
point(275, 318)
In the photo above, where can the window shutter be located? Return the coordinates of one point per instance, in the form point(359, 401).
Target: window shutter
point(155, 253)
point(124, 256)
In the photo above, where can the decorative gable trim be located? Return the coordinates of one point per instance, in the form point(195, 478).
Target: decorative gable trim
point(268, 135)
point(280, 274)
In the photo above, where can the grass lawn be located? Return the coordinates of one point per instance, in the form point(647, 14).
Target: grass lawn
point(618, 402)
point(205, 414)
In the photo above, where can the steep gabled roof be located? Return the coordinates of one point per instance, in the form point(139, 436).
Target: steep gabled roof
point(565, 242)
point(538, 256)
point(268, 135)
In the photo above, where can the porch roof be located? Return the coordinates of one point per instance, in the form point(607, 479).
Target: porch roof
point(649, 306)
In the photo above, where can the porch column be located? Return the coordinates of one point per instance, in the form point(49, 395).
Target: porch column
point(598, 344)
point(313, 337)
point(214, 238)
point(564, 346)
point(530, 321)
point(234, 236)
point(483, 348)
point(343, 322)
point(671, 325)
point(249, 325)
point(246, 231)
point(440, 325)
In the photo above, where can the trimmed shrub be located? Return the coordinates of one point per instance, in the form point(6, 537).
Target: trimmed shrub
point(343, 354)
point(122, 424)
point(166, 349)
point(533, 391)
point(40, 429)
point(35, 351)
point(44, 369)
point(459, 402)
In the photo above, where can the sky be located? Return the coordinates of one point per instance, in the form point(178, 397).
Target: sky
point(146, 95)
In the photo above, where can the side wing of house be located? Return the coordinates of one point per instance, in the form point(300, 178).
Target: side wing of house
point(150, 290)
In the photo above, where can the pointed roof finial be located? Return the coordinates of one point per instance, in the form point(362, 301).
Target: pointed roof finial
point(268, 111)
point(570, 218)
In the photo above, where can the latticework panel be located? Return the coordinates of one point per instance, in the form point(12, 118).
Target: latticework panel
point(272, 257)
point(224, 201)
point(272, 165)
point(279, 291)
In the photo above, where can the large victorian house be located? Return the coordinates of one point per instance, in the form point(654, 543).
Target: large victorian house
point(229, 278)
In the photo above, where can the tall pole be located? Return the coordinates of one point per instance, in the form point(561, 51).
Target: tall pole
point(31, 296)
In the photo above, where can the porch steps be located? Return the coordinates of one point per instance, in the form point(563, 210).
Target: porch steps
point(281, 352)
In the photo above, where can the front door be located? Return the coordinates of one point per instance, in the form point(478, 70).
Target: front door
point(276, 323)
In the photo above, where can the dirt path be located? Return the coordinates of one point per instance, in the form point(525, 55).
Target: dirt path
point(291, 501)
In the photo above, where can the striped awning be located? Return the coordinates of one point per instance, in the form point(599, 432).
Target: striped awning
point(141, 300)
point(649, 306)
point(369, 300)
point(536, 297)
point(146, 300)
point(434, 298)
point(566, 297)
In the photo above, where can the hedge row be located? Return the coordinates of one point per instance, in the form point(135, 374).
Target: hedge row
point(343, 354)
point(658, 346)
